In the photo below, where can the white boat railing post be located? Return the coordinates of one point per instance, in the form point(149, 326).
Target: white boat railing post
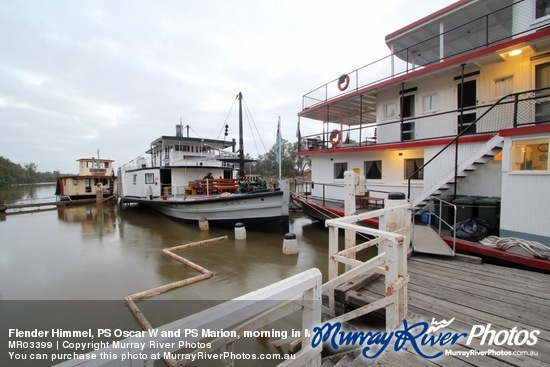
point(393, 240)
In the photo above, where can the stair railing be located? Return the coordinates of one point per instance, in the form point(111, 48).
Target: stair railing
point(455, 140)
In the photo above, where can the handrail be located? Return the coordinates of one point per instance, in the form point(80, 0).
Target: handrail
point(440, 217)
point(252, 311)
point(409, 65)
point(467, 129)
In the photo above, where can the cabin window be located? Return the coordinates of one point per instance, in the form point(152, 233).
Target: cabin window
point(429, 103)
point(503, 86)
point(543, 8)
point(75, 181)
point(134, 180)
point(373, 170)
point(149, 178)
point(411, 168)
point(530, 155)
point(389, 111)
point(339, 169)
point(88, 185)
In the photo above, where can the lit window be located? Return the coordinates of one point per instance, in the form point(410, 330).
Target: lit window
point(411, 169)
point(530, 155)
point(339, 169)
point(373, 170)
point(503, 86)
point(429, 103)
point(389, 111)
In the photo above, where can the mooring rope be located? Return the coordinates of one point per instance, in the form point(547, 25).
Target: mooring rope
point(506, 243)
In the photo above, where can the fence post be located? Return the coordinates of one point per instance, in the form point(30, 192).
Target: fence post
point(349, 209)
point(392, 310)
point(332, 262)
point(311, 317)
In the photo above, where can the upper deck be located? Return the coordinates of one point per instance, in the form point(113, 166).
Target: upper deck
point(95, 167)
point(456, 34)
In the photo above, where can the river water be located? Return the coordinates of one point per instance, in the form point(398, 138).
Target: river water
point(105, 253)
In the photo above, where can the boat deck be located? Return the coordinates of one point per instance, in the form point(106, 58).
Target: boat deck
point(473, 294)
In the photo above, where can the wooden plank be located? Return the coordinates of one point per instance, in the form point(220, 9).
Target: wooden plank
point(512, 294)
point(489, 278)
point(429, 307)
point(501, 272)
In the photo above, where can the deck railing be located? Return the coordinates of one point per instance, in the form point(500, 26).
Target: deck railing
point(253, 311)
point(517, 109)
point(511, 111)
point(393, 241)
point(458, 40)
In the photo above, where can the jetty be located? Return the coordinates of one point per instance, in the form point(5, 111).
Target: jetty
point(29, 206)
point(443, 288)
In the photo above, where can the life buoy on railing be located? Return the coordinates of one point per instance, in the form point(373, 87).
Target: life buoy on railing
point(335, 137)
point(343, 82)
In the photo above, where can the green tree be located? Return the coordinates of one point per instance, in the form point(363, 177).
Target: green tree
point(292, 165)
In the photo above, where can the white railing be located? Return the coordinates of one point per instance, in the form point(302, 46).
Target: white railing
point(253, 311)
point(393, 241)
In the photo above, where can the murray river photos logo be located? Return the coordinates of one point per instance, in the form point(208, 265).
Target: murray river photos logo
point(417, 337)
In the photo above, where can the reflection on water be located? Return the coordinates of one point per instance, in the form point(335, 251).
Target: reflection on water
point(27, 192)
point(104, 252)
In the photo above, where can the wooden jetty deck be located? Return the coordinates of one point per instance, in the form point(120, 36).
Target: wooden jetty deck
point(473, 294)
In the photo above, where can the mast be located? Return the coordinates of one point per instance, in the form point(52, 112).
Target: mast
point(241, 144)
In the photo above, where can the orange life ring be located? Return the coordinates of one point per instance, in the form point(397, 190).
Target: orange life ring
point(343, 82)
point(335, 137)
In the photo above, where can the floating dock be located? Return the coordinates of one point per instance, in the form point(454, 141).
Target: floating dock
point(473, 294)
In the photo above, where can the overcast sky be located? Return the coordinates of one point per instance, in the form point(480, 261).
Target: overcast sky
point(81, 76)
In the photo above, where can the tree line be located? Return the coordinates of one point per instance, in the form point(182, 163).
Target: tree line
point(266, 165)
point(292, 165)
point(13, 173)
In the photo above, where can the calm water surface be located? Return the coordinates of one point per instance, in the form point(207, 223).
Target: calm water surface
point(71, 267)
point(91, 252)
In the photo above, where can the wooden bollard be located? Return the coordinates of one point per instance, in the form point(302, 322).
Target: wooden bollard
point(203, 224)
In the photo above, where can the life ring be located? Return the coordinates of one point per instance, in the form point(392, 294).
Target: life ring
point(335, 137)
point(343, 82)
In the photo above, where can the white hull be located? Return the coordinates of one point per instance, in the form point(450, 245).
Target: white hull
point(259, 211)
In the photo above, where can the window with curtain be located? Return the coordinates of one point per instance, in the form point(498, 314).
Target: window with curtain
point(411, 166)
point(373, 170)
point(339, 169)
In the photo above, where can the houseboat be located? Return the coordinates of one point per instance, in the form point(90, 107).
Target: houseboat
point(198, 179)
point(458, 112)
point(93, 174)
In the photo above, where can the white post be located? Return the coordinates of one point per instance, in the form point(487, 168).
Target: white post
point(311, 317)
point(392, 310)
point(332, 262)
point(349, 208)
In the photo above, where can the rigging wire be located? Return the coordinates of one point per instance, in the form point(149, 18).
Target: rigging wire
point(225, 121)
point(249, 116)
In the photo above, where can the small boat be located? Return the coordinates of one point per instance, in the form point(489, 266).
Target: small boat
point(95, 177)
point(200, 179)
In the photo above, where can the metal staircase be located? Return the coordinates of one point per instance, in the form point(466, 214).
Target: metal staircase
point(471, 164)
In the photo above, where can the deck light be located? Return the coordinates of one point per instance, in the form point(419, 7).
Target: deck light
point(515, 52)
